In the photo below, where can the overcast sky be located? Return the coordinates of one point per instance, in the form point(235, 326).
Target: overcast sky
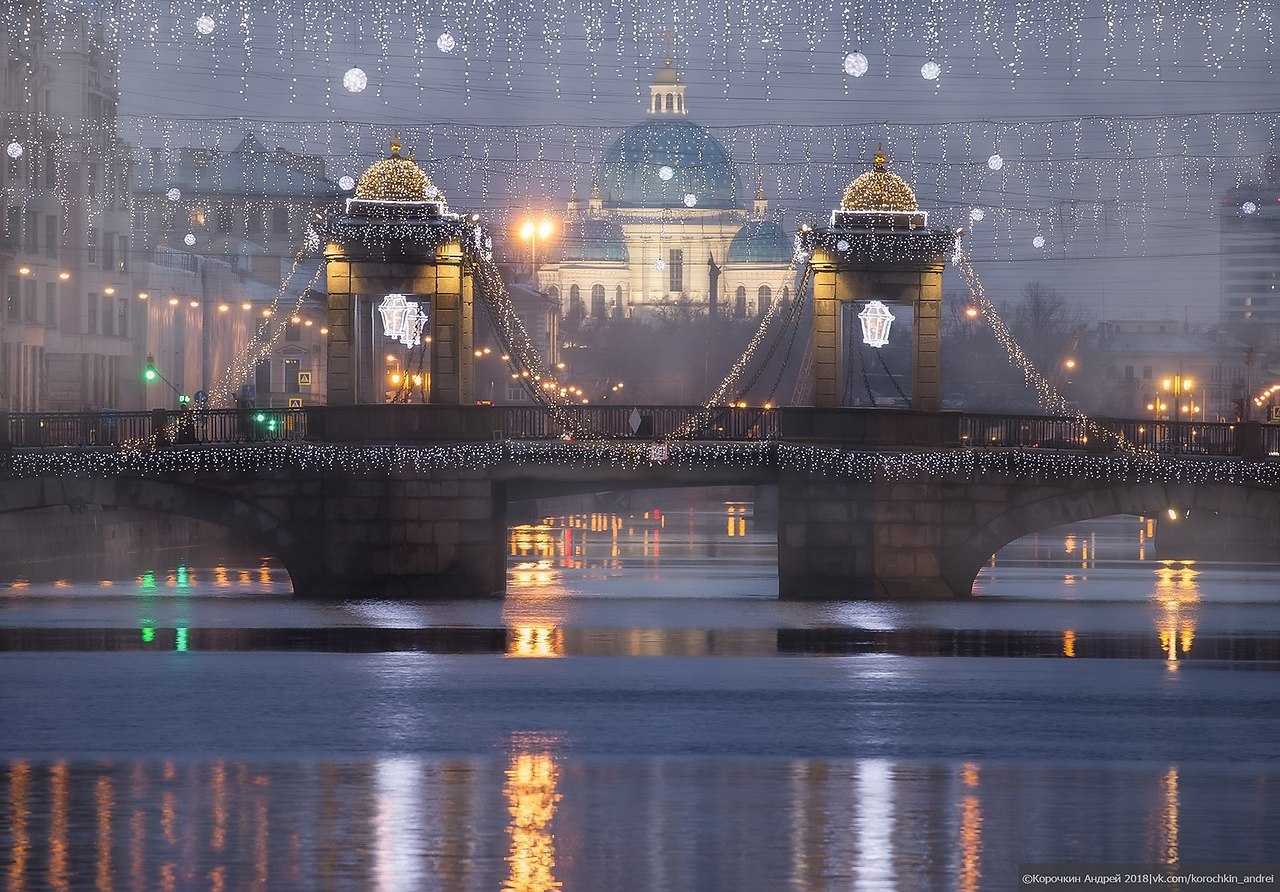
point(525, 103)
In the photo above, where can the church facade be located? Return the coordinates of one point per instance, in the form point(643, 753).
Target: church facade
point(666, 229)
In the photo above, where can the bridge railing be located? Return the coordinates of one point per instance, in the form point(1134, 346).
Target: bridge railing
point(1166, 437)
point(639, 422)
point(165, 427)
point(108, 428)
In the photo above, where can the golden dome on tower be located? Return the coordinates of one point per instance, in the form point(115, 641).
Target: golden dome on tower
point(879, 190)
point(395, 179)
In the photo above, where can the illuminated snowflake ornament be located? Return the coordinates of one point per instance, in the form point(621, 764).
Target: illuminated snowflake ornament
point(346, 184)
point(355, 80)
point(1249, 207)
point(1038, 241)
point(174, 194)
point(659, 265)
point(995, 162)
point(690, 200)
point(445, 43)
point(665, 173)
point(15, 150)
point(977, 215)
point(930, 71)
point(842, 246)
point(205, 24)
point(189, 239)
point(855, 65)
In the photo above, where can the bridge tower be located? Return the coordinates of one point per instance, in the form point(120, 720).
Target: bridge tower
point(396, 271)
point(879, 246)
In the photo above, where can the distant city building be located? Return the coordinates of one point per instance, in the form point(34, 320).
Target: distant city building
point(1139, 357)
point(666, 226)
point(222, 231)
point(69, 332)
point(1249, 227)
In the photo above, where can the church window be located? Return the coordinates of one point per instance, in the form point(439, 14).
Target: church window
point(618, 301)
point(598, 308)
point(763, 299)
point(786, 296)
point(670, 102)
point(740, 303)
point(575, 301)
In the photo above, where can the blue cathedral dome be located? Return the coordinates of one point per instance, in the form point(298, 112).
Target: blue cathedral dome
point(593, 240)
point(630, 175)
point(760, 241)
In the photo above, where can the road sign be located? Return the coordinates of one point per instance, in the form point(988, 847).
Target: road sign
point(304, 379)
point(295, 402)
point(202, 397)
point(1273, 414)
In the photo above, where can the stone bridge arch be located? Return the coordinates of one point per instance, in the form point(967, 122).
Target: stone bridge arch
point(966, 547)
point(160, 496)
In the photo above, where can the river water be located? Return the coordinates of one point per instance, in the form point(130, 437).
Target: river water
point(639, 713)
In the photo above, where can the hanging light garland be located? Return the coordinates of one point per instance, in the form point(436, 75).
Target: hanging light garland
point(821, 462)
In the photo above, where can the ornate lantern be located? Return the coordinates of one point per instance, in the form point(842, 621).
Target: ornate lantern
point(876, 321)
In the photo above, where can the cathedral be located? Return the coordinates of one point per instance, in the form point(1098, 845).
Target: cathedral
point(666, 228)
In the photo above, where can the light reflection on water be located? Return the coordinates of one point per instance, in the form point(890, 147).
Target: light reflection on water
point(525, 821)
point(577, 797)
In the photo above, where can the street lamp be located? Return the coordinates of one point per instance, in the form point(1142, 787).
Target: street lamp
point(1179, 389)
point(531, 231)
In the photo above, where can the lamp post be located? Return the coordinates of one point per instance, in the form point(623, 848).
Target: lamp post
point(531, 231)
point(1179, 388)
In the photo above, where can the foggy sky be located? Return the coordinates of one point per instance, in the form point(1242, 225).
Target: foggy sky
point(779, 107)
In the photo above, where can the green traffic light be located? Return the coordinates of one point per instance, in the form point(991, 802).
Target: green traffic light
point(150, 373)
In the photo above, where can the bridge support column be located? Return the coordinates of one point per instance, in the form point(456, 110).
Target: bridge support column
point(855, 541)
point(438, 536)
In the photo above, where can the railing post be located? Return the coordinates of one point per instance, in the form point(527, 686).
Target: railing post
point(1249, 440)
point(159, 428)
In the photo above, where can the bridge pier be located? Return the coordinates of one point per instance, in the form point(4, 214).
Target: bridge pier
point(441, 535)
point(860, 540)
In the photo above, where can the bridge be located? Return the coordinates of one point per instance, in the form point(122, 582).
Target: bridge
point(411, 500)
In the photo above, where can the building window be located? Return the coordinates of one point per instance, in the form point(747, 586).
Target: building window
point(29, 302)
point(740, 303)
point(280, 219)
point(224, 220)
point(764, 299)
point(31, 238)
point(675, 266)
point(122, 317)
point(13, 297)
point(575, 301)
point(619, 302)
point(108, 316)
point(598, 309)
point(670, 102)
point(1146, 373)
point(293, 332)
point(51, 305)
point(124, 254)
point(50, 169)
point(291, 376)
point(262, 378)
point(108, 250)
point(254, 221)
point(786, 296)
point(51, 236)
point(91, 314)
